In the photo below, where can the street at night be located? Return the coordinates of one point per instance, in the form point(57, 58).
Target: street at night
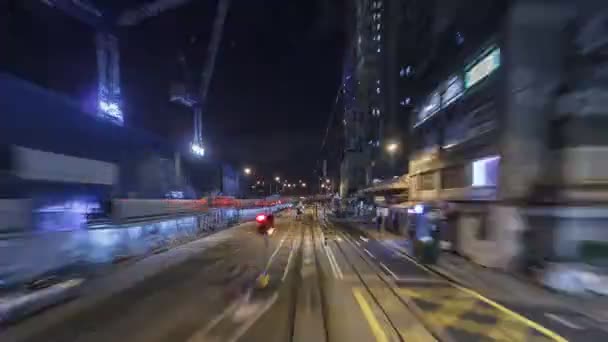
point(327, 282)
point(303, 170)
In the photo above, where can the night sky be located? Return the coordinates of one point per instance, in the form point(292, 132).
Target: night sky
point(275, 80)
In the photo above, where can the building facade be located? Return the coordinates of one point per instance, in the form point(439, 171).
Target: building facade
point(507, 132)
point(369, 93)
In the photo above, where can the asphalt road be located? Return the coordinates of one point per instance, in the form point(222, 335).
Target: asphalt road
point(327, 283)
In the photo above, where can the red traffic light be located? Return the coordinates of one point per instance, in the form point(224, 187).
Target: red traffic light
point(260, 218)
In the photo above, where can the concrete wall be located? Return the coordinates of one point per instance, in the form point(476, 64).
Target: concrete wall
point(125, 209)
point(15, 214)
point(558, 231)
point(491, 236)
point(25, 256)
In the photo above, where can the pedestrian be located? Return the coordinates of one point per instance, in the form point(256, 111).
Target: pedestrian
point(396, 222)
point(379, 222)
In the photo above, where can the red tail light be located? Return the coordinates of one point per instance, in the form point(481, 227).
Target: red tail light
point(260, 218)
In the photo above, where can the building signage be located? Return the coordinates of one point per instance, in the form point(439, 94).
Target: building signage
point(453, 90)
point(431, 106)
point(482, 68)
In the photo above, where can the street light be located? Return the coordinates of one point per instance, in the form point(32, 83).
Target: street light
point(278, 179)
point(303, 185)
point(392, 147)
point(197, 149)
point(327, 181)
point(247, 171)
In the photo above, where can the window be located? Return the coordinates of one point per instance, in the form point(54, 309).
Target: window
point(481, 120)
point(455, 129)
point(426, 181)
point(454, 177)
point(485, 171)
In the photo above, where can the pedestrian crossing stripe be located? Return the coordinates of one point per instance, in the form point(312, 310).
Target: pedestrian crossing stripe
point(451, 308)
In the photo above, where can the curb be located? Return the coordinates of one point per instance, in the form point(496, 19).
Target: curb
point(20, 306)
point(439, 272)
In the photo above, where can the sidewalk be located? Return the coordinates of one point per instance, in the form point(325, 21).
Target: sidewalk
point(498, 285)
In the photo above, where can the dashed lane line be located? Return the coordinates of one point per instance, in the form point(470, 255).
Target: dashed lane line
point(286, 271)
point(333, 263)
point(243, 328)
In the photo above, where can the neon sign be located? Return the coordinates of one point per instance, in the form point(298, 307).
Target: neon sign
point(482, 68)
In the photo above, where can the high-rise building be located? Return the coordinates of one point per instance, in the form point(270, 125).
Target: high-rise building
point(372, 117)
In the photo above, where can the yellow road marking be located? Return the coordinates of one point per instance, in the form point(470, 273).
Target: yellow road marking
point(512, 314)
point(455, 302)
point(369, 316)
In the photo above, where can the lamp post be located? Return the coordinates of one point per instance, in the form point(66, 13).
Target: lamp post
point(278, 180)
point(391, 148)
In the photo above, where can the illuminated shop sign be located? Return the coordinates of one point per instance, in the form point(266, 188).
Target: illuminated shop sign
point(430, 107)
point(450, 91)
point(453, 90)
point(482, 68)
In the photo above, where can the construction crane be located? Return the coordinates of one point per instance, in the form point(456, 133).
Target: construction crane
point(108, 55)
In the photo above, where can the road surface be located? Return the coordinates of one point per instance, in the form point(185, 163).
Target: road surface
point(327, 283)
